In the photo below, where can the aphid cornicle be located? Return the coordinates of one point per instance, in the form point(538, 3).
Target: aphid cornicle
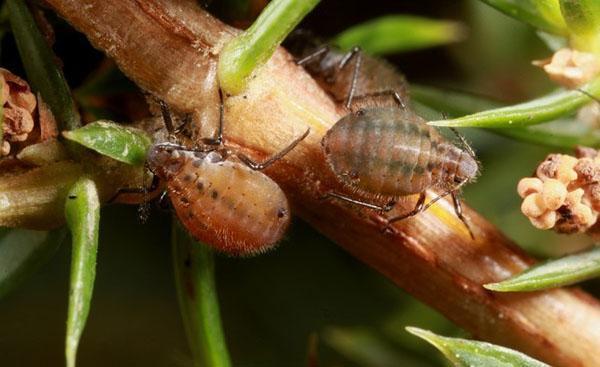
point(221, 196)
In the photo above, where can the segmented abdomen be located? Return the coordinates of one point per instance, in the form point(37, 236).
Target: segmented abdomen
point(229, 206)
point(385, 151)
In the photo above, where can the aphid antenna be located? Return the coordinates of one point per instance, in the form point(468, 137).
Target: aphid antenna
point(258, 166)
point(386, 208)
point(466, 146)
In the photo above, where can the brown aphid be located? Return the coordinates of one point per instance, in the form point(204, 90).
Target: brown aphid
point(390, 152)
point(350, 76)
point(224, 203)
point(219, 194)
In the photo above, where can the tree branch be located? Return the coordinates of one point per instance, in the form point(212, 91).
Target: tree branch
point(169, 47)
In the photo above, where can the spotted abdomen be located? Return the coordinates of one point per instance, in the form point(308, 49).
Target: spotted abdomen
point(393, 152)
point(226, 204)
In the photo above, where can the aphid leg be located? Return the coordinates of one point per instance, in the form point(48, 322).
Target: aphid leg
point(357, 54)
point(455, 200)
point(464, 143)
point(384, 93)
point(183, 128)
point(419, 207)
point(175, 146)
point(386, 208)
point(137, 190)
point(143, 212)
point(262, 165)
point(426, 206)
point(164, 202)
point(459, 213)
point(218, 140)
point(166, 115)
point(320, 52)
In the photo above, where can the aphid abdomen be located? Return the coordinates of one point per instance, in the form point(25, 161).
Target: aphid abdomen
point(229, 206)
point(383, 151)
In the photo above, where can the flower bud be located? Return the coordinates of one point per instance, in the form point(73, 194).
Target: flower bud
point(529, 185)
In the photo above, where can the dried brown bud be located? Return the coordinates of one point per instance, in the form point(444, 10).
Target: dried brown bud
point(548, 168)
point(565, 194)
point(587, 171)
point(594, 197)
point(27, 119)
point(585, 152)
point(19, 105)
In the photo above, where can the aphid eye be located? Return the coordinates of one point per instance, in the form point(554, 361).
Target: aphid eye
point(457, 179)
point(281, 213)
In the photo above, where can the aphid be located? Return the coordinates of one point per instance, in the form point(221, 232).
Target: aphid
point(392, 152)
point(221, 196)
point(383, 151)
point(367, 79)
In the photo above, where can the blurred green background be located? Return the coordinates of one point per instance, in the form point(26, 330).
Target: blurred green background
point(272, 303)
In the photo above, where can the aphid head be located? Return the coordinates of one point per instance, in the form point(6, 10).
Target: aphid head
point(165, 159)
point(467, 169)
